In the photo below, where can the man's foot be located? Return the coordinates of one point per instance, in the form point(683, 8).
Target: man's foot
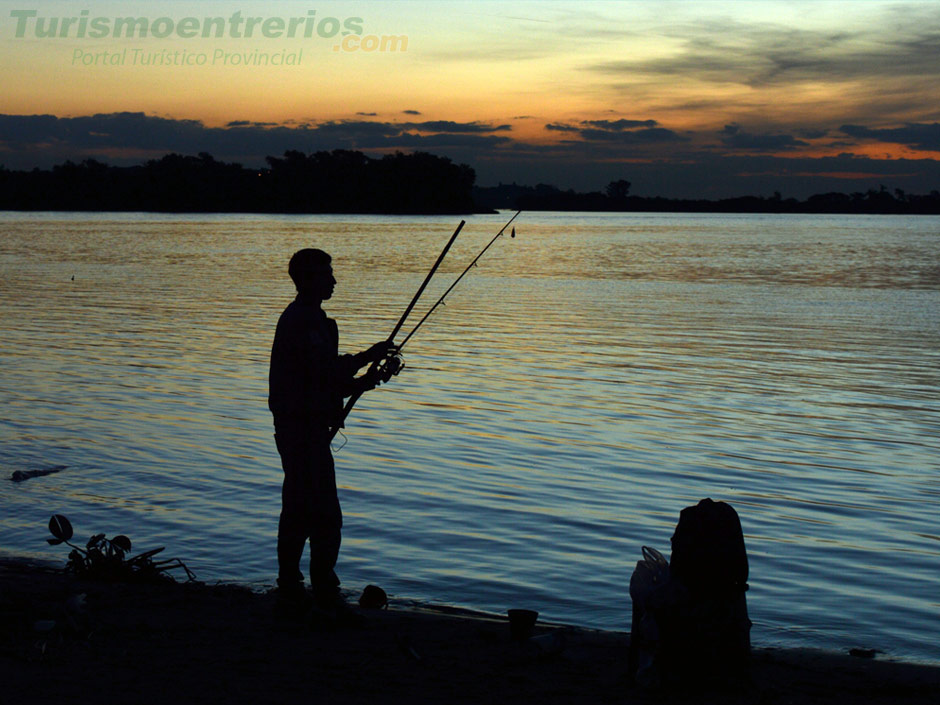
point(293, 600)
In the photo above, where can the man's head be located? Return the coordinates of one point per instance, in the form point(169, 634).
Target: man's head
point(312, 273)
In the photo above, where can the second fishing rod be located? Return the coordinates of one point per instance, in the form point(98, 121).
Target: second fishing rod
point(384, 369)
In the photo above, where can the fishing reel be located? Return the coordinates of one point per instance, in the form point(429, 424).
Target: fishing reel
point(390, 366)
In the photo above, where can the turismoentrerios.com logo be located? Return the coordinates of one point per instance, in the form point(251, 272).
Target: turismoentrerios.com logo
point(31, 25)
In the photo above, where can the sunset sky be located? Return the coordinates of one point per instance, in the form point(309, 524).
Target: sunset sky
point(682, 99)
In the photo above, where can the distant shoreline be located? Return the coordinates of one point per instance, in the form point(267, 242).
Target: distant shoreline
point(247, 212)
point(481, 211)
point(322, 182)
point(350, 182)
point(549, 198)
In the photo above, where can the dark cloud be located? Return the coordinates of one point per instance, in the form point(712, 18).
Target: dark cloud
point(658, 161)
point(811, 133)
point(42, 140)
point(450, 140)
point(619, 125)
point(115, 130)
point(652, 135)
point(367, 114)
point(882, 66)
point(624, 132)
point(915, 136)
point(249, 123)
point(758, 54)
point(455, 127)
point(16, 130)
point(355, 129)
point(737, 139)
point(561, 127)
point(411, 112)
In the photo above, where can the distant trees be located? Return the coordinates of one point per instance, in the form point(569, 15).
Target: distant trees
point(341, 181)
point(616, 198)
point(874, 201)
point(618, 190)
point(345, 181)
point(350, 182)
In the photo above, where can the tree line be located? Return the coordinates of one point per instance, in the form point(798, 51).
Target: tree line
point(616, 198)
point(345, 181)
point(340, 181)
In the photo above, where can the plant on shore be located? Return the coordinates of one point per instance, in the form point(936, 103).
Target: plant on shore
point(106, 559)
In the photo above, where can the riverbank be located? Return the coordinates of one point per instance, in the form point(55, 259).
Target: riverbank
point(197, 643)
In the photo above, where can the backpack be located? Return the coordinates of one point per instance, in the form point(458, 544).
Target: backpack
point(690, 622)
point(708, 554)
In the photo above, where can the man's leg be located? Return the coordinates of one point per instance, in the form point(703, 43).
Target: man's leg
point(326, 529)
point(309, 509)
point(324, 550)
point(292, 529)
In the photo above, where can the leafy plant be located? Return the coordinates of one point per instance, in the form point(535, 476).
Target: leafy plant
point(106, 559)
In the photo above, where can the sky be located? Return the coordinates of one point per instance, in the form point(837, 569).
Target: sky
point(683, 99)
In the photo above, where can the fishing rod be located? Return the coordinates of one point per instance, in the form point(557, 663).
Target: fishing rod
point(392, 368)
point(470, 266)
point(385, 368)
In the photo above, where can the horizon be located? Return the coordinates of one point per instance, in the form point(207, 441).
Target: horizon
point(682, 99)
point(870, 200)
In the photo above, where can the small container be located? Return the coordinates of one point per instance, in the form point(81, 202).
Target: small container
point(521, 623)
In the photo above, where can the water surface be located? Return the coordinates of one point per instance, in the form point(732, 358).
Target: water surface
point(587, 381)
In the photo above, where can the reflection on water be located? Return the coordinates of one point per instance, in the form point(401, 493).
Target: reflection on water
point(591, 378)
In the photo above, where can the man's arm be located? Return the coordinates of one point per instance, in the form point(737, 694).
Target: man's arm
point(373, 354)
point(350, 364)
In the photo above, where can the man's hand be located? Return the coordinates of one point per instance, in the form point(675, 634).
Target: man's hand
point(379, 351)
point(373, 378)
point(390, 364)
point(369, 381)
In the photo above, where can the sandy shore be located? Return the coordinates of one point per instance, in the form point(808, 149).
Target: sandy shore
point(181, 643)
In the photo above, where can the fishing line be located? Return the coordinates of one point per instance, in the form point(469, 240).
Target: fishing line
point(385, 368)
point(440, 301)
point(374, 367)
point(342, 445)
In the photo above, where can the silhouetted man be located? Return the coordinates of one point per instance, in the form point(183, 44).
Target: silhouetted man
point(308, 380)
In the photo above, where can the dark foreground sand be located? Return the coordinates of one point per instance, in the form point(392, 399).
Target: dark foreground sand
point(192, 643)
